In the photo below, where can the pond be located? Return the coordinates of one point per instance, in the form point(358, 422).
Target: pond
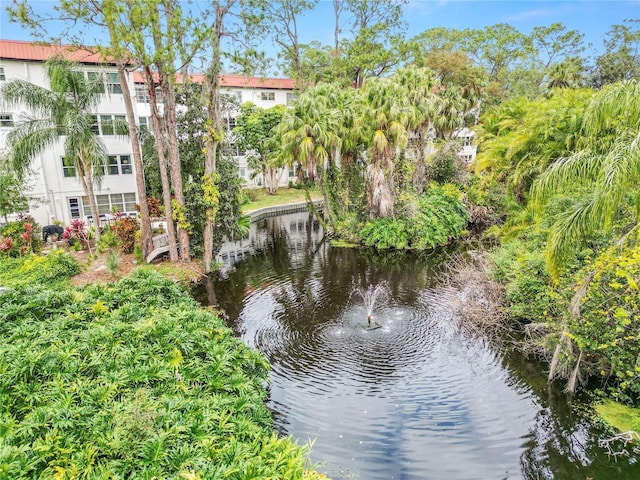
point(417, 398)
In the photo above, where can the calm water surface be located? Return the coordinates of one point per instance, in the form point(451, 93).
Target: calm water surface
point(415, 399)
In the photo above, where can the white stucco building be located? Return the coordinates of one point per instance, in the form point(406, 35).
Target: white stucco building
point(55, 185)
point(262, 92)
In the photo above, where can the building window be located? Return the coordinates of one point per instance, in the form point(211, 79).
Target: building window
point(144, 123)
point(142, 94)
point(120, 125)
point(267, 96)
point(110, 79)
point(113, 84)
point(230, 123)
point(95, 128)
point(112, 166)
point(242, 172)
point(292, 170)
point(96, 77)
point(2, 77)
point(230, 149)
point(238, 95)
point(118, 164)
point(125, 164)
point(74, 207)
point(109, 125)
point(466, 141)
point(106, 122)
point(117, 205)
point(68, 168)
point(129, 202)
point(6, 120)
point(291, 97)
point(104, 206)
point(116, 202)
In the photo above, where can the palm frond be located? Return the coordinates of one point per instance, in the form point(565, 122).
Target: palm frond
point(18, 93)
point(570, 228)
point(579, 169)
point(27, 140)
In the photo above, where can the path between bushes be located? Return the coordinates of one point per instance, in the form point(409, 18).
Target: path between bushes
point(95, 270)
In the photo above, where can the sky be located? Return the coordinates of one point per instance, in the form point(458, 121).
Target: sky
point(592, 18)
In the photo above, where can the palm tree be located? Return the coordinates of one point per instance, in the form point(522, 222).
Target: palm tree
point(606, 165)
point(521, 138)
point(453, 107)
point(309, 129)
point(62, 113)
point(384, 121)
point(419, 85)
point(566, 74)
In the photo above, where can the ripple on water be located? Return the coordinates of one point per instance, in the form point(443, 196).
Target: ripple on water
point(415, 399)
point(411, 396)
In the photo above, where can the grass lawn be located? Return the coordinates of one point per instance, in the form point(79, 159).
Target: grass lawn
point(285, 196)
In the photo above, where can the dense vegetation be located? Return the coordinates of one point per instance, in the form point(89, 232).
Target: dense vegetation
point(129, 380)
point(373, 129)
point(563, 170)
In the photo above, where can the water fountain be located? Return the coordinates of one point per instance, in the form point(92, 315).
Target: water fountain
point(373, 402)
point(371, 295)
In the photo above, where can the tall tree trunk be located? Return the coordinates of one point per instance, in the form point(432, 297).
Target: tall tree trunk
point(380, 178)
point(171, 129)
point(215, 125)
point(159, 140)
point(211, 143)
point(145, 220)
point(165, 67)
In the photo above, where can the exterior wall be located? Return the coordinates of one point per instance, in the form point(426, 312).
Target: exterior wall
point(262, 97)
point(469, 147)
point(48, 184)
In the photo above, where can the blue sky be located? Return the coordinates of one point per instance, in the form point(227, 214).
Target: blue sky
point(593, 18)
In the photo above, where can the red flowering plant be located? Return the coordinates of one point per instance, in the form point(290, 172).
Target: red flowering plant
point(20, 237)
point(76, 232)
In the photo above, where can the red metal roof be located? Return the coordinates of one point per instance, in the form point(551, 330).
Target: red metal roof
point(19, 50)
point(237, 81)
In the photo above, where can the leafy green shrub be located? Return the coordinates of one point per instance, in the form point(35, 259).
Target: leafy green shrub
point(21, 237)
point(521, 268)
point(427, 221)
point(249, 195)
point(155, 207)
point(443, 165)
point(608, 328)
point(108, 241)
point(131, 380)
point(386, 233)
point(54, 268)
point(441, 217)
point(113, 262)
point(125, 231)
